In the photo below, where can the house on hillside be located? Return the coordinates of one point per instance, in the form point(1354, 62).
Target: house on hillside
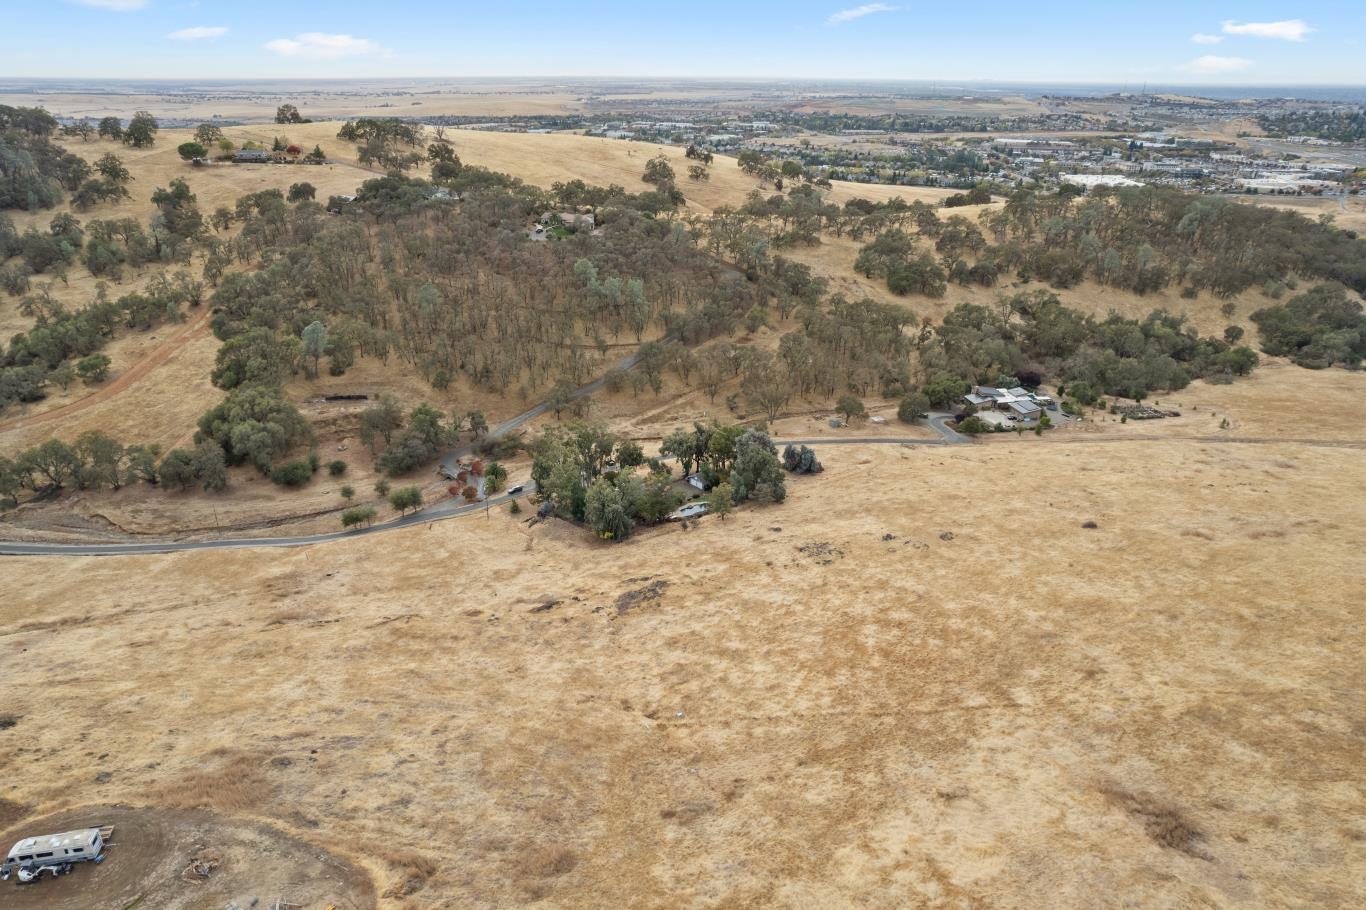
point(570, 220)
point(251, 156)
point(337, 204)
point(1017, 402)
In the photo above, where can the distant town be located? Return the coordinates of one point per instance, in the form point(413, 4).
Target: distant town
point(1081, 142)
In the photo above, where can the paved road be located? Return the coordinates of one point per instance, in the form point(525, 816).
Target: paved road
point(940, 422)
point(453, 508)
point(439, 512)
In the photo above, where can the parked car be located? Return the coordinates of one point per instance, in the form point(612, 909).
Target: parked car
point(513, 491)
point(691, 510)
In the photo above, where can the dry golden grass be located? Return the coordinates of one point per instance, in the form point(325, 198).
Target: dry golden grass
point(232, 782)
point(544, 159)
point(1348, 213)
point(939, 719)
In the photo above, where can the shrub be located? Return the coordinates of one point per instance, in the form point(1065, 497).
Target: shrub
point(913, 407)
point(405, 498)
point(851, 408)
point(382, 488)
point(358, 515)
point(514, 508)
point(721, 499)
point(94, 368)
point(801, 460)
point(292, 474)
point(177, 469)
point(336, 468)
point(972, 425)
point(347, 491)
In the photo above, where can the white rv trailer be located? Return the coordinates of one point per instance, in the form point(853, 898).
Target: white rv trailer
point(54, 852)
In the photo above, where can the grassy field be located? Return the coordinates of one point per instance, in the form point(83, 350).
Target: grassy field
point(907, 686)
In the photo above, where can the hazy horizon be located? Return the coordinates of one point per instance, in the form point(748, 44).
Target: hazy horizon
point(1321, 92)
point(1316, 43)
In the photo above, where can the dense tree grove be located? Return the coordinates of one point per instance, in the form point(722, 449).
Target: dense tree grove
point(1316, 329)
point(457, 291)
point(1146, 238)
point(1034, 335)
point(587, 474)
point(1140, 239)
point(34, 172)
point(108, 245)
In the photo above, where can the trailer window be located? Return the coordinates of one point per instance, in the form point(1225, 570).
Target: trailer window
point(42, 855)
point(76, 850)
point(24, 859)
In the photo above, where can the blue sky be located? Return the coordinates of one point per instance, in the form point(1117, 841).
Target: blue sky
point(1157, 41)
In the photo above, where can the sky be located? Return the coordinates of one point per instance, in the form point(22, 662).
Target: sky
point(1242, 42)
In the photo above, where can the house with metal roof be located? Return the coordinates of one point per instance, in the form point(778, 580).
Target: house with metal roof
point(1018, 401)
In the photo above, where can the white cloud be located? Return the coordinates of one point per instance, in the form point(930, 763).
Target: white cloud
point(1200, 38)
point(322, 46)
point(1286, 30)
point(1210, 65)
point(199, 32)
point(858, 12)
point(119, 6)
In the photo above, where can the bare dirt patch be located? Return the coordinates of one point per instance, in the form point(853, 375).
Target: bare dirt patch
point(172, 859)
point(644, 596)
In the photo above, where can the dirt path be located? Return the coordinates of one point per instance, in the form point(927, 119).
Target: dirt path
point(195, 328)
